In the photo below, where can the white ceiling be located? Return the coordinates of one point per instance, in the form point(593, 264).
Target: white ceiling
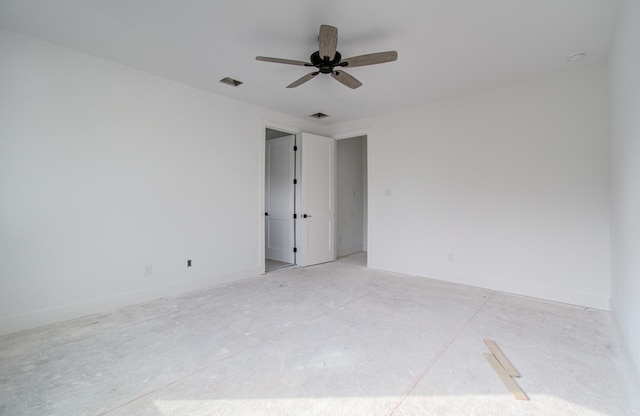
point(445, 47)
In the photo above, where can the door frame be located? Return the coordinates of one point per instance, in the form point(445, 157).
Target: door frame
point(264, 125)
point(368, 132)
point(287, 128)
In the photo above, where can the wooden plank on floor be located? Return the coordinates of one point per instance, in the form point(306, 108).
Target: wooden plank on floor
point(502, 359)
point(509, 382)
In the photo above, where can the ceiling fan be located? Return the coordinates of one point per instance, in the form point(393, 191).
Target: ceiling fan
point(329, 61)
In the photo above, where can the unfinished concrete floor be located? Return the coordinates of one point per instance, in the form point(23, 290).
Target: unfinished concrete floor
point(334, 339)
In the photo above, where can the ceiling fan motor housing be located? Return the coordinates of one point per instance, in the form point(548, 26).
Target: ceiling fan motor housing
point(325, 65)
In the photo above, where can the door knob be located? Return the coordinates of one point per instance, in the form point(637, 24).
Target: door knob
point(306, 216)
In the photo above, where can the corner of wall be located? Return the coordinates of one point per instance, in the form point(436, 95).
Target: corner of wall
point(630, 354)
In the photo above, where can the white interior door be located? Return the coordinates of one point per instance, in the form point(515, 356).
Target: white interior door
point(317, 200)
point(279, 199)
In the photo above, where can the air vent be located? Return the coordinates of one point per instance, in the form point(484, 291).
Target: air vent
point(319, 115)
point(231, 81)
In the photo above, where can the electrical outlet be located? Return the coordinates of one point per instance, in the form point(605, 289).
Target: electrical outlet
point(148, 270)
point(188, 263)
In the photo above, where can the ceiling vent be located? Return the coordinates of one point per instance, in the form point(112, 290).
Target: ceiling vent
point(231, 81)
point(319, 115)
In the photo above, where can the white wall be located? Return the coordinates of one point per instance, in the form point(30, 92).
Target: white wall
point(350, 165)
point(625, 183)
point(504, 189)
point(105, 170)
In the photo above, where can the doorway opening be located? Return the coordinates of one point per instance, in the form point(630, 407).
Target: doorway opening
point(352, 212)
point(280, 199)
point(300, 217)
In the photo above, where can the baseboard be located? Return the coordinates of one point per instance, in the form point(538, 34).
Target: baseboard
point(519, 288)
point(631, 354)
point(15, 323)
point(343, 252)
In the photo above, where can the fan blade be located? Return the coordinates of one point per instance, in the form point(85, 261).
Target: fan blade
point(303, 79)
point(370, 59)
point(346, 79)
point(282, 61)
point(328, 41)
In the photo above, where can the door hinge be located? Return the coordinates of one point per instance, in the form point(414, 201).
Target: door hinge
point(295, 181)
point(295, 249)
point(295, 148)
point(295, 216)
